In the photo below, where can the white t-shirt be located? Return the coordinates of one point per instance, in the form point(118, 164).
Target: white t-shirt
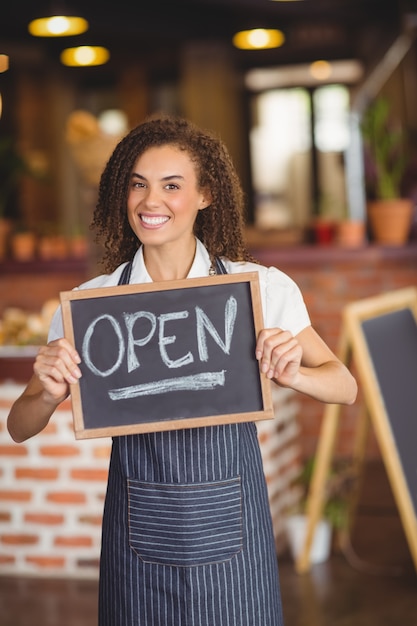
point(282, 302)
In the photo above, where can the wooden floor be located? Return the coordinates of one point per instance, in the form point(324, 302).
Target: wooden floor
point(373, 584)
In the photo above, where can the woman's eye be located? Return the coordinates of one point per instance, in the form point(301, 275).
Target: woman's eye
point(172, 186)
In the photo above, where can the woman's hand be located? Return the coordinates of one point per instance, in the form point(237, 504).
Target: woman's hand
point(279, 354)
point(56, 366)
point(306, 364)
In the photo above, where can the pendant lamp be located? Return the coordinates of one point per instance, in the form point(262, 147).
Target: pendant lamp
point(60, 22)
point(85, 56)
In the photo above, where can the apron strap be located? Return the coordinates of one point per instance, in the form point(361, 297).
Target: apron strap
point(125, 275)
point(220, 268)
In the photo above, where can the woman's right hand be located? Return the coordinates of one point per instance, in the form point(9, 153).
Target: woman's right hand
point(56, 366)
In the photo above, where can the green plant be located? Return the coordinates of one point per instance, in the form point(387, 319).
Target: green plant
point(338, 487)
point(385, 151)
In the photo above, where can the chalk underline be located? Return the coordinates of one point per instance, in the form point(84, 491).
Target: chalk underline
point(196, 382)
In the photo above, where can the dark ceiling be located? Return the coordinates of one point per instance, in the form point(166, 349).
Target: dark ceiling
point(315, 29)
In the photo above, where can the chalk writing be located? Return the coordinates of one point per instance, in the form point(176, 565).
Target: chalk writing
point(204, 326)
point(196, 382)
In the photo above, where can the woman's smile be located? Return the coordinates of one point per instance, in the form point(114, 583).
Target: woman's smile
point(153, 221)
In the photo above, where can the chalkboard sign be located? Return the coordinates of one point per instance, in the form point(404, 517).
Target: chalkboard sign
point(164, 356)
point(383, 336)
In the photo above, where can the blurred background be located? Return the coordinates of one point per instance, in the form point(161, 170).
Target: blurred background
point(316, 101)
point(284, 112)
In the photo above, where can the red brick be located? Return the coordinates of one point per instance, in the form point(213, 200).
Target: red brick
point(73, 542)
point(36, 473)
point(46, 519)
point(7, 559)
point(89, 474)
point(19, 539)
point(13, 450)
point(59, 451)
point(73, 497)
point(16, 496)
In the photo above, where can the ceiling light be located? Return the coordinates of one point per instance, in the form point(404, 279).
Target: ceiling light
point(58, 26)
point(85, 56)
point(258, 39)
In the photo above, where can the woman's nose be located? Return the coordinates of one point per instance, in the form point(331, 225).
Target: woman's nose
point(152, 197)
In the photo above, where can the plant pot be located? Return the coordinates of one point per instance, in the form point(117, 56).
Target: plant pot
point(390, 220)
point(351, 233)
point(324, 231)
point(23, 246)
point(296, 527)
point(78, 246)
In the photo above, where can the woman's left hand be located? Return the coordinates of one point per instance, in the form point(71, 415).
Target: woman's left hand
point(306, 364)
point(279, 354)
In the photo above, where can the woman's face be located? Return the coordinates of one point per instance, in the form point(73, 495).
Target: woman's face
point(164, 197)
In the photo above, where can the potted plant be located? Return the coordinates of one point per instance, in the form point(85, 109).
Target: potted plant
point(23, 243)
point(389, 213)
point(335, 511)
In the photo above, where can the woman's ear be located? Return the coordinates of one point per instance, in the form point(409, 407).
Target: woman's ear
point(206, 200)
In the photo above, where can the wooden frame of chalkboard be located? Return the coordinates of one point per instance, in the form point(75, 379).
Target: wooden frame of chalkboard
point(380, 335)
point(383, 336)
point(167, 355)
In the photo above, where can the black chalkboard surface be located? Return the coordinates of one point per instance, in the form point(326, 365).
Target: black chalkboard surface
point(169, 355)
point(392, 343)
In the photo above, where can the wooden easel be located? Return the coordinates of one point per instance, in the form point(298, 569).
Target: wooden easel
point(353, 345)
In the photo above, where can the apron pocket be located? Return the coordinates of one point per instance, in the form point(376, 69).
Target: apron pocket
point(185, 525)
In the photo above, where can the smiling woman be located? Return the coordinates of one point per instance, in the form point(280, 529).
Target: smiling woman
point(170, 205)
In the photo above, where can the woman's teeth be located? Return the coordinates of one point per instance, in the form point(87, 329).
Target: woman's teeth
point(154, 221)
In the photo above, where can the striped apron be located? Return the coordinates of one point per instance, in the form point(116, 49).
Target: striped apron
point(187, 535)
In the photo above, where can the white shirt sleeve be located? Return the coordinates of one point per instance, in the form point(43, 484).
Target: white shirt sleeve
point(282, 302)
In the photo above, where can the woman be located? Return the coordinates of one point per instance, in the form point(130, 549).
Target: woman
point(187, 534)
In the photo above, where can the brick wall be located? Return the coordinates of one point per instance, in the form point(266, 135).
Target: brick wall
point(51, 497)
point(330, 278)
point(52, 490)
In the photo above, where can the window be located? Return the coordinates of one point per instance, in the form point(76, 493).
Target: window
point(297, 141)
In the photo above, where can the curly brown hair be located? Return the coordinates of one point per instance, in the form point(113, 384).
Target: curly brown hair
point(220, 226)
